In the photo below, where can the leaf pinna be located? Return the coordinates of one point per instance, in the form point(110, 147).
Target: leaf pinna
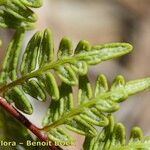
point(16, 13)
point(93, 107)
point(113, 137)
point(35, 75)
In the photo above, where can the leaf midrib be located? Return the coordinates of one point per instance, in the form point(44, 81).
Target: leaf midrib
point(52, 65)
point(35, 73)
point(75, 111)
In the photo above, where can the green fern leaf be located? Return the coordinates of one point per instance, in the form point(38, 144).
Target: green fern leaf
point(58, 135)
point(67, 75)
point(16, 14)
point(64, 105)
point(35, 74)
point(11, 59)
point(34, 89)
point(38, 65)
point(80, 126)
point(9, 72)
point(32, 3)
point(85, 90)
point(49, 83)
point(92, 109)
point(93, 116)
point(113, 137)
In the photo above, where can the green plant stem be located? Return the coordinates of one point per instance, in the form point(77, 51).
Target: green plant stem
point(36, 73)
point(42, 136)
point(73, 113)
point(48, 66)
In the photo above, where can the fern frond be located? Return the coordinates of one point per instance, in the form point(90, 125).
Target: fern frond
point(16, 13)
point(93, 107)
point(35, 74)
point(113, 137)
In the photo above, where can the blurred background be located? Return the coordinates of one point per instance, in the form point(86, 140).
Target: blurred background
point(103, 21)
